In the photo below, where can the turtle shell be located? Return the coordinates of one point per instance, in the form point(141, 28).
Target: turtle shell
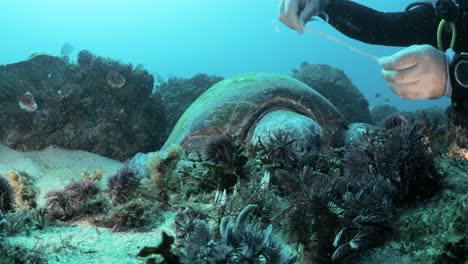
point(236, 105)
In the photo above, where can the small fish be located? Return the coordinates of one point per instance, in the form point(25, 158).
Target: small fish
point(377, 95)
point(67, 49)
point(386, 100)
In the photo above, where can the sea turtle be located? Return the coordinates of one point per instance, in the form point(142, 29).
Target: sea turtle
point(250, 106)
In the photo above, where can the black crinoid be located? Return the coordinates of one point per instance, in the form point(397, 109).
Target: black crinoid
point(400, 152)
point(278, 151)
point(242, 242)
point(122, 185)
point(395, 120)
point(226, 159)
point(339, 218)
point(226, 150)
point(185, 222)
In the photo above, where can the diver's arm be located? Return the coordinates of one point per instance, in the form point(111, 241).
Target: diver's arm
point(417, 26)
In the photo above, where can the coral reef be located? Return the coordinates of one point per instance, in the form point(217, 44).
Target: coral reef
point(257, 148)
point(78, 109)
point(334, 85)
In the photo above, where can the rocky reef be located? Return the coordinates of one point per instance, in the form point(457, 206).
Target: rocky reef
point(334, 85)
point(265, 150)
point(98, 105)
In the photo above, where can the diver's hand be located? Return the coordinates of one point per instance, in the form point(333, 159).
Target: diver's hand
point(296, 13)
point(417, 72)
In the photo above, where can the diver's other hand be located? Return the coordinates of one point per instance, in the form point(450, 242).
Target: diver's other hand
point(296, 13)
point(416, 72)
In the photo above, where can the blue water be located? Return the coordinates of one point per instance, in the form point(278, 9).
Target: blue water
point(184, 37)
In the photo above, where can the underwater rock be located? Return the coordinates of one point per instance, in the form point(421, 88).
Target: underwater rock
point(78, 108)
point(179, 93)
point(85, 58)
point(235, 106)
point(334, 85)
point(432, 230)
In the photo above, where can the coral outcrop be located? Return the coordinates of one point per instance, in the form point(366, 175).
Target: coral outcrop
point(334, 85)
point(99, 105)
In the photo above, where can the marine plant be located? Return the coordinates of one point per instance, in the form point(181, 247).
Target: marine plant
point(24, 189)
point(13, 254)
point(323, 164)
point(6, 195)
point(122, 186)
point(77, 199)
point(84, 195)
point(161, 165)
point(24, 221)
point(135, 214)
point(59, 205)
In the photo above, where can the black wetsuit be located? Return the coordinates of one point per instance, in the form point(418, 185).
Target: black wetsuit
point(416, 26)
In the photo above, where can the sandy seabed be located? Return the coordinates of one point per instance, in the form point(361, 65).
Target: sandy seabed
point(79, 242)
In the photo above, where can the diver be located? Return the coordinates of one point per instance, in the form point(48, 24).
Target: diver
point(435, 63)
